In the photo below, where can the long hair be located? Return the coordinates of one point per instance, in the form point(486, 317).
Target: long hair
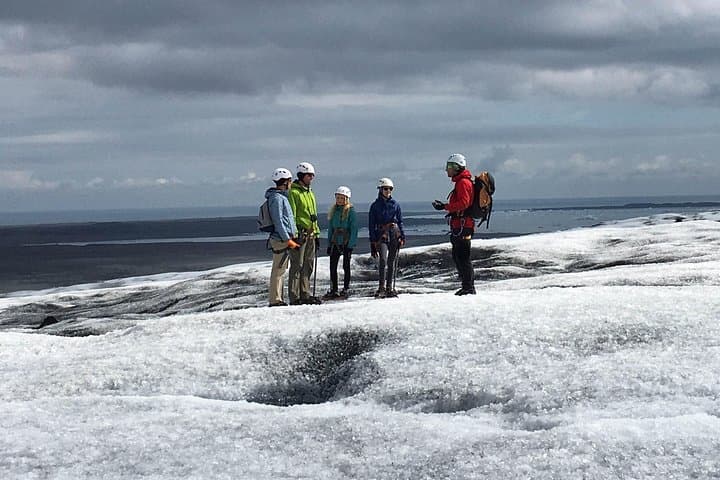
point(344, 214)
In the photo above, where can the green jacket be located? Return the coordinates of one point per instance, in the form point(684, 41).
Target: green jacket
point(343, 231)
point(303, 204)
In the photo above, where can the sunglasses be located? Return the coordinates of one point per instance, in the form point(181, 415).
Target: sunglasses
point(388, 189)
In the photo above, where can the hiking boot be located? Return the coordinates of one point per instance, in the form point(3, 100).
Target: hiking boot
point(311, 301)
point(331, 294)
point(279, 304)
point(344, 293)
point(296, 302)
point(380, 293)
point(391, 293)
point(466, 291)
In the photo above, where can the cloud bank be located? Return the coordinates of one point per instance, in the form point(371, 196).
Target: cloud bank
point(618, 94)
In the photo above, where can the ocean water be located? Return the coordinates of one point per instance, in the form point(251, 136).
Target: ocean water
point(50, 249)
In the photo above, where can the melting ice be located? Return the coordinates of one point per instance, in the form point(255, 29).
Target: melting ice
point(589, 353)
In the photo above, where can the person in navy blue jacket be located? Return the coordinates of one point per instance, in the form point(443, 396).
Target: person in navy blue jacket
point(386, 236)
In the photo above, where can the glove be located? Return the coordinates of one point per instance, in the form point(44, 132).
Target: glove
point(329, 249)
point(438, 205)
point(293, 244)
point(347, 251)
point(373, 250)
point(401, 242)
point(317, 243)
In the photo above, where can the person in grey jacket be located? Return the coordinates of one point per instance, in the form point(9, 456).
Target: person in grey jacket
point(283, 235)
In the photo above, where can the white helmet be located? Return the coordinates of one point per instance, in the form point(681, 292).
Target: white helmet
point(343, 190)
point(305, 167)
point(281, 174)
point(457, 158)
point(385, 182)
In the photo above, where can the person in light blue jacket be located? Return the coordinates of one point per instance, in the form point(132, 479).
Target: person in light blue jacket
point(342, 238)
point(283, 235)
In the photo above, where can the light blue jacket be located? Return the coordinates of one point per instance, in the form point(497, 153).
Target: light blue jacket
point(281, 215)
point(343, 230)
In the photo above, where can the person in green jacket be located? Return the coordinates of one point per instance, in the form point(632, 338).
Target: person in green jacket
point(342, 237)
point(302, 260)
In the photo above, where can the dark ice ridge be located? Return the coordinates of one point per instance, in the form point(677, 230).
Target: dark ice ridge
point(424, 271)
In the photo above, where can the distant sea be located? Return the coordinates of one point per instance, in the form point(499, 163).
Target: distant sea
point(40, 250)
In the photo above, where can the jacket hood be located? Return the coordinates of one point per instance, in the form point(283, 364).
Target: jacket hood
point(464, 174)
point(274, 191)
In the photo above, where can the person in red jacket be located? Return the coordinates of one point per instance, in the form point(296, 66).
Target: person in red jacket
point(461, 227)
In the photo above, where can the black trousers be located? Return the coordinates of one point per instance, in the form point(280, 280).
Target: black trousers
point(461, 257)
point(335, 254)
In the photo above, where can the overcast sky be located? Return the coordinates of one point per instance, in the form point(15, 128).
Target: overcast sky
point(162, 103)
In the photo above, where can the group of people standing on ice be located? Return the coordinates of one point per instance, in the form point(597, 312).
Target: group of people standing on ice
point(295, 237)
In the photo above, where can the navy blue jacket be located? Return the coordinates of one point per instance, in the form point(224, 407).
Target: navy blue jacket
point(383, 212)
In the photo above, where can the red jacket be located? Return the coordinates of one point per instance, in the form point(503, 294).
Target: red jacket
point(460, 199)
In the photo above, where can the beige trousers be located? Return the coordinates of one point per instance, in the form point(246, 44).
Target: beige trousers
point(279, 266)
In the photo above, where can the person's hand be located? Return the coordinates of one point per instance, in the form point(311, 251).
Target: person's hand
point(329, 249)
point(347, 251)
point(438, 205)
point(317, 243)
point(373, 250)
point(293, 244)
point(402, 242)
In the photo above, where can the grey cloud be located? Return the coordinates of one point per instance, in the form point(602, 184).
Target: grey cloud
point(180, 72)
point(496, 158)
point(256, 47)
point(374, 25)
point(210, 93)
point(83, 18)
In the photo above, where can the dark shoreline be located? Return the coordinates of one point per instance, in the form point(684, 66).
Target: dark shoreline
point(631, 206)
point(43, 267)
